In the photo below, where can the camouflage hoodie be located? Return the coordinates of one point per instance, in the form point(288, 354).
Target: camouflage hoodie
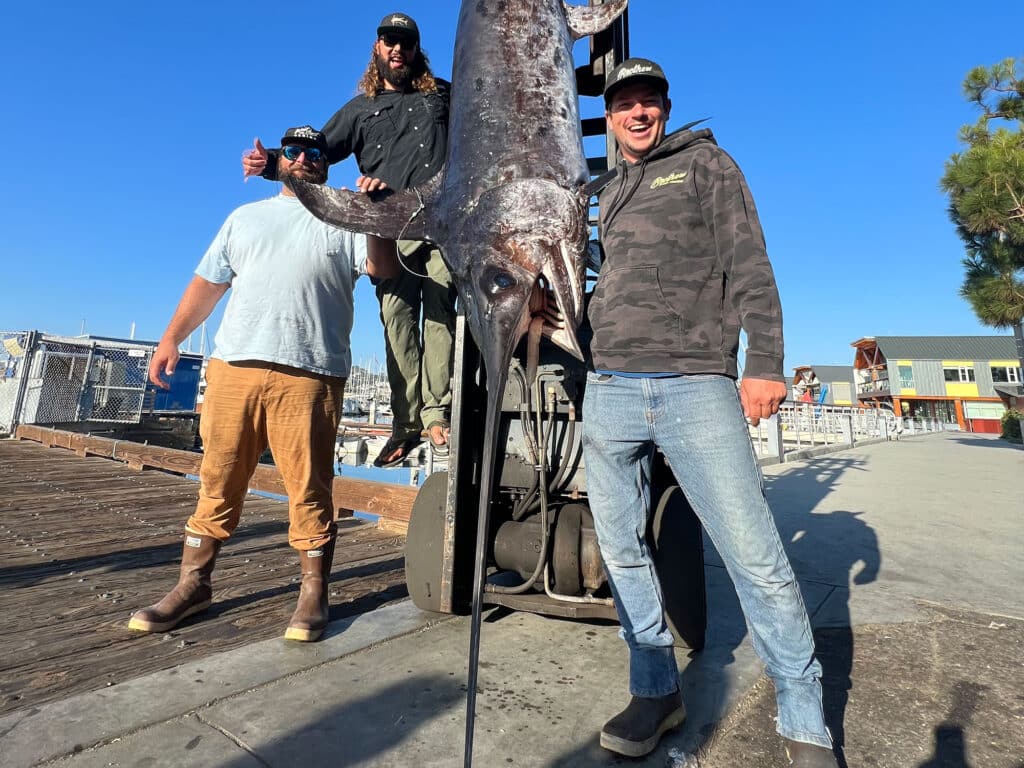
point(685, 267)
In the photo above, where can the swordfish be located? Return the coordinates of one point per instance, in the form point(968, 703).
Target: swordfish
point(509, 208)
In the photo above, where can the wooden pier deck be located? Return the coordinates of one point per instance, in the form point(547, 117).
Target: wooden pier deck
point(85, 541)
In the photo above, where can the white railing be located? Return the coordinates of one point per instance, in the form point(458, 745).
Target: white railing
point(799, 428)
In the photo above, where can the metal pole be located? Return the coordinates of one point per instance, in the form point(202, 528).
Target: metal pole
point(85, 381)
point(19, 399)
point(774, 435)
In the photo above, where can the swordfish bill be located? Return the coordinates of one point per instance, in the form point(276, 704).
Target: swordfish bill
point(509, 208)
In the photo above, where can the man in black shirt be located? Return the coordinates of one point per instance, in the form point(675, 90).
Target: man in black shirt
point(397, 128)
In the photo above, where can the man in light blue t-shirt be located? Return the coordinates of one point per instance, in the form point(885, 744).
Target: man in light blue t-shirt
point(276, 378)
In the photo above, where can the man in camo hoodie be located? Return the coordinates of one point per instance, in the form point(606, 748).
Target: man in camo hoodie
point(685, 269)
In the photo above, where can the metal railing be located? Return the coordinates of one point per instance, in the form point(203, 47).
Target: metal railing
point(870, 387)
point(804, 427)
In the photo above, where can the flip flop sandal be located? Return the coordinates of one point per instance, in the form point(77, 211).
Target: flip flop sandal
point(404, 447)
point(439, 449)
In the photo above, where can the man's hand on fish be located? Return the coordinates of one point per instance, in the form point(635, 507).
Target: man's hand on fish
point(366, 184)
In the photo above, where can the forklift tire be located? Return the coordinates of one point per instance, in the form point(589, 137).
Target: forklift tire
point(677, 546)
point(424, 543)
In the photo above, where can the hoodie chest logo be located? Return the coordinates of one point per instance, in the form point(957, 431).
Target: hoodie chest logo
point(674, 178)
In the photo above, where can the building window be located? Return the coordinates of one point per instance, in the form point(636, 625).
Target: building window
point(1002, 374)
point(906, 376)
point(962, 375)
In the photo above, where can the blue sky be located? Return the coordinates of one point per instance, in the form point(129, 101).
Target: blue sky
point(123, 125)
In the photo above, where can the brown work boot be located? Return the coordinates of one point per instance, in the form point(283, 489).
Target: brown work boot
point(636, 730)
point(311, 614)
point(804, 755)
point(191, 594)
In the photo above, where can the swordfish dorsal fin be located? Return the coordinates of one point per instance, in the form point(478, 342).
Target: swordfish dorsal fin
point(406, 215)
point(587, 20)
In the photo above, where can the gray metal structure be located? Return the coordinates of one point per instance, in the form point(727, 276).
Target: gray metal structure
point(51, 379)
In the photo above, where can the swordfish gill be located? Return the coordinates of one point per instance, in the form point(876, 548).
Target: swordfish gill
point(509, 208)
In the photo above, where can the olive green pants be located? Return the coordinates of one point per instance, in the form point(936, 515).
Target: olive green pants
point(419, 363)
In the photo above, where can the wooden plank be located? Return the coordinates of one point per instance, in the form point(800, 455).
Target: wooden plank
point(393, 526)
point(387, 500)
point(77, 557)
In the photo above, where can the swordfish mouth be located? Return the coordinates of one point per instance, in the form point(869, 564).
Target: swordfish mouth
point(522, 250)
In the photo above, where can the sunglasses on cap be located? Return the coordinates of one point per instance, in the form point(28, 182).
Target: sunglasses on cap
point(390, 39)
point(293, 151)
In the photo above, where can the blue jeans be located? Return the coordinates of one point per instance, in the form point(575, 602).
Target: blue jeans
point(698, 423)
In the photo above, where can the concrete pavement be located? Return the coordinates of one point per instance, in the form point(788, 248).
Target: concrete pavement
point(916, 545)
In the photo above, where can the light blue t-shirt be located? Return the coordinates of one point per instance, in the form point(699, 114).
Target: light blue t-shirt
point(291, 281)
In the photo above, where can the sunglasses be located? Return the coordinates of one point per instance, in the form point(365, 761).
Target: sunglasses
point(391, 40)
point(292, 152)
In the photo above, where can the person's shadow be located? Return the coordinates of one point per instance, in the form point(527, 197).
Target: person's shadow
point(825, 548)
point(950, 746)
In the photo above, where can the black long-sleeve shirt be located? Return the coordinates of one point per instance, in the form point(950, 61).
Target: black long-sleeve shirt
point(398, 137)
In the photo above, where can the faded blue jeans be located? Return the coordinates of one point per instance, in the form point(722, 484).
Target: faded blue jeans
point(698, 423)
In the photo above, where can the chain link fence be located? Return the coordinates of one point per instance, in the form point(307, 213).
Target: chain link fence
point(12, 357)
point(60, 380)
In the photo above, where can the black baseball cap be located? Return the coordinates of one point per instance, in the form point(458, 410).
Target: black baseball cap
point(306, 136)
point(635, 71)
point(399, 24)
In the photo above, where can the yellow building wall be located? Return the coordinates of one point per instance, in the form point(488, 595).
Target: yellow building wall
point(961, 390)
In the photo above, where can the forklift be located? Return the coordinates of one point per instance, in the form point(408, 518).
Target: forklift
point(542, 551)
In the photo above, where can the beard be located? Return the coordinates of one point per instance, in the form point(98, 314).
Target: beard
point(400, 78)
point(314, 174)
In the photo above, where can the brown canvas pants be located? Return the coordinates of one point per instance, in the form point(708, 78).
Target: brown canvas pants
point(249, 406)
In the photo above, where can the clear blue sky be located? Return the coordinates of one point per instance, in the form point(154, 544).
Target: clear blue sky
point(123, 125)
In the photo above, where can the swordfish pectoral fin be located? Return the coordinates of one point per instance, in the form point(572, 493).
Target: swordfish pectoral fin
point(587, 20)
point(406, 215)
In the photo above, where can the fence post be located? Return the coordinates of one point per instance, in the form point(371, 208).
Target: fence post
point(846, 428)
point(883, 427)
point(774, 436)
point(26, 361)
point(85, 381)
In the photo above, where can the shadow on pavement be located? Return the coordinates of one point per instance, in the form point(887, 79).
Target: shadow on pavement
point(950, 741)
point(825, 550)
point(938, 692)
point(992, 441)
point(355, 733)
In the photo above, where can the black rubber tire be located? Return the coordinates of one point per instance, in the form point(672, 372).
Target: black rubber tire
point(677, 546)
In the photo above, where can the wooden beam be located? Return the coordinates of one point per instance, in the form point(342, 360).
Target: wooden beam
point(390, 501)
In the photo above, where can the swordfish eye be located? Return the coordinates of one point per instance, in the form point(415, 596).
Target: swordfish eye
point(496, 281)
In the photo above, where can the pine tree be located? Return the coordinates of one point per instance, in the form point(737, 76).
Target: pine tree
point(985, 184)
